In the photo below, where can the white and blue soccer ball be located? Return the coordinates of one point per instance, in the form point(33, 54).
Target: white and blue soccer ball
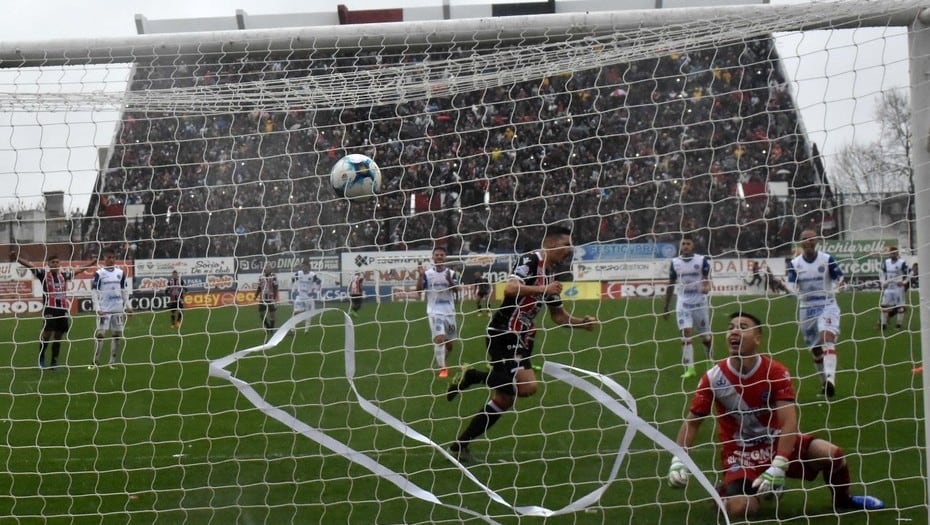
point(356, 176)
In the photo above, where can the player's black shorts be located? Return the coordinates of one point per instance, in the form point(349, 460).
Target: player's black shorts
point(508, 353)
point(356, 301)
point(175, 305)
point(267, 307)
point(56, 320)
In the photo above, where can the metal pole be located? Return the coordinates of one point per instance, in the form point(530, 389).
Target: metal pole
point(919, 52)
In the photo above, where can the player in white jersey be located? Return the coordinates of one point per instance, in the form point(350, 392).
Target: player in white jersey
point(440, 285)
point(689, 279)
point(306, 284)
point(110, 296)
point(895, 276)
point(814, 276)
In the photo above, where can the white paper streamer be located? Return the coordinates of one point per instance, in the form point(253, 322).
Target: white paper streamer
point(557, 371)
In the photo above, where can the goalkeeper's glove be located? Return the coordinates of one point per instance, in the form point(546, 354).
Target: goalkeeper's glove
point(678, 474)
point(773, 479)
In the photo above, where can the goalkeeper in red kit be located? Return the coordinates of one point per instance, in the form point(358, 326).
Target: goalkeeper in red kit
point(757, 421)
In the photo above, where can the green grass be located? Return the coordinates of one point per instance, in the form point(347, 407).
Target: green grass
point(159, 441)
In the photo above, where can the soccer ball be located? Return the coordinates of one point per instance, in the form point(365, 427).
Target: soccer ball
point(356, 176)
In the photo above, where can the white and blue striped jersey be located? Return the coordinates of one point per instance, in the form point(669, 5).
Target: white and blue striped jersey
point(109, 291)
point(814, 281)
point(688, 275)
point(894, 271)
point(440, 287)
point(306, 284)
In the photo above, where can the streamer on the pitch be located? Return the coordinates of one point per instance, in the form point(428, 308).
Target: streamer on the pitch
point(564, 373)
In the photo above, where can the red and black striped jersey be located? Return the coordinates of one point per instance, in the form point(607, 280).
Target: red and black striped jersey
point(54, 287)
point(517, 314)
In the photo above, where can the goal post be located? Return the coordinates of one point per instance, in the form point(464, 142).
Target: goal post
point(918, 52)
point(635, 127)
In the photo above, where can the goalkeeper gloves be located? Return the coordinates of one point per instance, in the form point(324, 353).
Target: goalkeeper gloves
point(678, 474)
point(773, 479)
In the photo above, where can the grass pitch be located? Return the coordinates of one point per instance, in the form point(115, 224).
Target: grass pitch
point(159, 441)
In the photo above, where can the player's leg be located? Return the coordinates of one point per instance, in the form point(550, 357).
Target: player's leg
point(740, 499)
point(311, 306)
point(299, 308)
point(829, 327)
point(739, 496)
point(821, 456)
point(807, 324)
point(62, 325)
point(451, 335)
point(521, 383)
point(685, 327)
point(272, 318)
point(117, 327)
point(701, 327)
point(44, 338)
point(103, 322)
point(509, 377)
point(496, 345)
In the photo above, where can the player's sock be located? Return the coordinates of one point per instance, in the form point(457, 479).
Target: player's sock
point(817, 355)
point(42, 346)
point(481, 422)
point(837, 478)
point(439, 353)
point(98, 350)
point(884, 319)
point(114, 350)
point(829, 363)
point(56, 351)
point(687, 354)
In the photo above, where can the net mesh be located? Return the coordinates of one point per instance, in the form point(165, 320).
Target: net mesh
point(634, 135)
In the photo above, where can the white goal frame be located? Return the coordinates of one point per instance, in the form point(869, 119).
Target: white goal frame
point(856, 13)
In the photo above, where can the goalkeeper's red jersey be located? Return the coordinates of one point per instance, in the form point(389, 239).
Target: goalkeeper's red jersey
point(744, 404)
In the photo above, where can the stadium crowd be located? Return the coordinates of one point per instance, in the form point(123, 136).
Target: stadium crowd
point(631, 153)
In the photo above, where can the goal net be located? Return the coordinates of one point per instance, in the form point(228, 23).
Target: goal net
point(209, 155)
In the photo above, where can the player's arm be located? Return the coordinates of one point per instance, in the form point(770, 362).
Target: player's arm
point(706, 284)
point(95, 293)
point(124, 293)
point(421, 278)
point(560, 316)
point(517, 287)
point(791, 279)
point(833, 268)
point(669, 290)
point(86, 267)
point(17, 258)
point(678, 474)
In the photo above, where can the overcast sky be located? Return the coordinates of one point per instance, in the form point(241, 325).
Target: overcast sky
point(836, 78)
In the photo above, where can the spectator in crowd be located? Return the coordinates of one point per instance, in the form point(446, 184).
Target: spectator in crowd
point(655, 144)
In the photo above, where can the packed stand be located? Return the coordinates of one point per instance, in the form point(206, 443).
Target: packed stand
point(631, 153)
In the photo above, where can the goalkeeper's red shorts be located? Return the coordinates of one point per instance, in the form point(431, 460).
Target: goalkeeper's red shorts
point(742, 463)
